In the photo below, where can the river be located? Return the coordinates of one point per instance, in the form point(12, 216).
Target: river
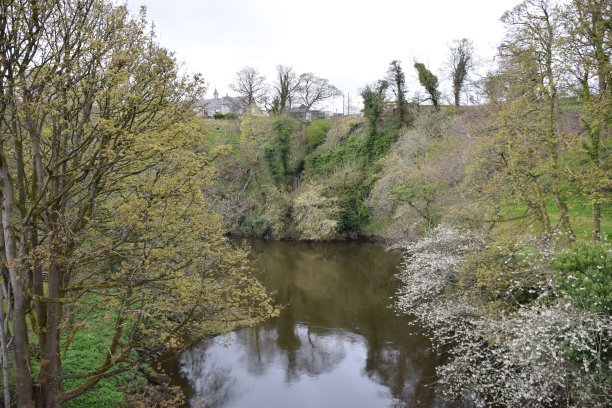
point(336, 343)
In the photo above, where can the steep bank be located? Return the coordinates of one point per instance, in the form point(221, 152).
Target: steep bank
point(338, 179)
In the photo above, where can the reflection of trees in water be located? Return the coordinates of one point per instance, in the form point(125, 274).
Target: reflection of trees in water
point(394, 369)
point(215, 380)
point(348, 287)
point(299, 351)
point(211, 380)
point(345, 288)
point(318, 354)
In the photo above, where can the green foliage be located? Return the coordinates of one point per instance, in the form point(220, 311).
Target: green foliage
point(218, 115)
point(429, 81)
point(378, 144)
point(584, 273)
point(325, 160)
point(421, 195)
point(316, 132)
point(373, 102)
point(353, 213)
point(278, 148)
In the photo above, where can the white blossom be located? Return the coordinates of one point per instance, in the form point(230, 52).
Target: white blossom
point(548, 353)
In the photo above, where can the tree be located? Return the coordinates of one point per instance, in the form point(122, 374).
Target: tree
point(251, 87)
point(586, 50)
point(397, 80)
point(314, 90)
point(374, 96)
point(461, 62)
point(533, 28)
point(103, 196)
point(430, 82)
point(286, 87)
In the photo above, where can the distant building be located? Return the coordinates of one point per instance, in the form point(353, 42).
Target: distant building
point(299, 112)
point(223, 105)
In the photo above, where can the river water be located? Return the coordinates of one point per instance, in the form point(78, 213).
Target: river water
point(337, 343)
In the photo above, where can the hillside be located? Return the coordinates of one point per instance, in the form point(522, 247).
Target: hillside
point(335, 179)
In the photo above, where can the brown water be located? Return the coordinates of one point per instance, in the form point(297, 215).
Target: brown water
point(336, 344)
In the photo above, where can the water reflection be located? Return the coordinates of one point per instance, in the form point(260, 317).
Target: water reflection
point(336, 343)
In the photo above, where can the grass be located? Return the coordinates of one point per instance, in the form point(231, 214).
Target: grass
point(86, 353)
point(580, 213)
point(316, 132)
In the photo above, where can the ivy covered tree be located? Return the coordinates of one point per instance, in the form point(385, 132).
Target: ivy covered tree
point(430, 82)
point(286, 88)
point(397, 81)
point(374, 98)
point(461, 62)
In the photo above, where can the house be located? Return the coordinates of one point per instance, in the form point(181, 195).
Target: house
point(223, 105)
point(299, 112)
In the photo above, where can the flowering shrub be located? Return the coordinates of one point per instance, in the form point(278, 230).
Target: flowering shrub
point(543, 353)
point(539, 357)
point(432, 263)
point(429, 269)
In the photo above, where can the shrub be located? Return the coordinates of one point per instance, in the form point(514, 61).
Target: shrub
point(545, 354)
point(219, 115)
point(584, 273)
point(315, 214)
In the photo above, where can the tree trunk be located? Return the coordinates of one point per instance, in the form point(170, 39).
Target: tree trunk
point(596, 222)
point(564, 220)
point(3, 347)
point(51, 374)
point(20, 330)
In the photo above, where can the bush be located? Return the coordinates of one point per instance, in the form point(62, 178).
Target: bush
point(219, 115)
point(545, 354)
point(315, 214)
point(585, 275)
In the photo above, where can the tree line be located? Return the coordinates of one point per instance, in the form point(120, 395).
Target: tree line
point(288, 90)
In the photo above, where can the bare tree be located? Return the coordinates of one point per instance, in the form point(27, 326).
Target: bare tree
point(250, 86)
point(461, 62)
point(285, 89)
point(314, 90)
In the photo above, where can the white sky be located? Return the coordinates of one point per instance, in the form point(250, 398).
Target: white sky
point(351, 43)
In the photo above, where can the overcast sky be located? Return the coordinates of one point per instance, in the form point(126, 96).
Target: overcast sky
point(348, 42)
